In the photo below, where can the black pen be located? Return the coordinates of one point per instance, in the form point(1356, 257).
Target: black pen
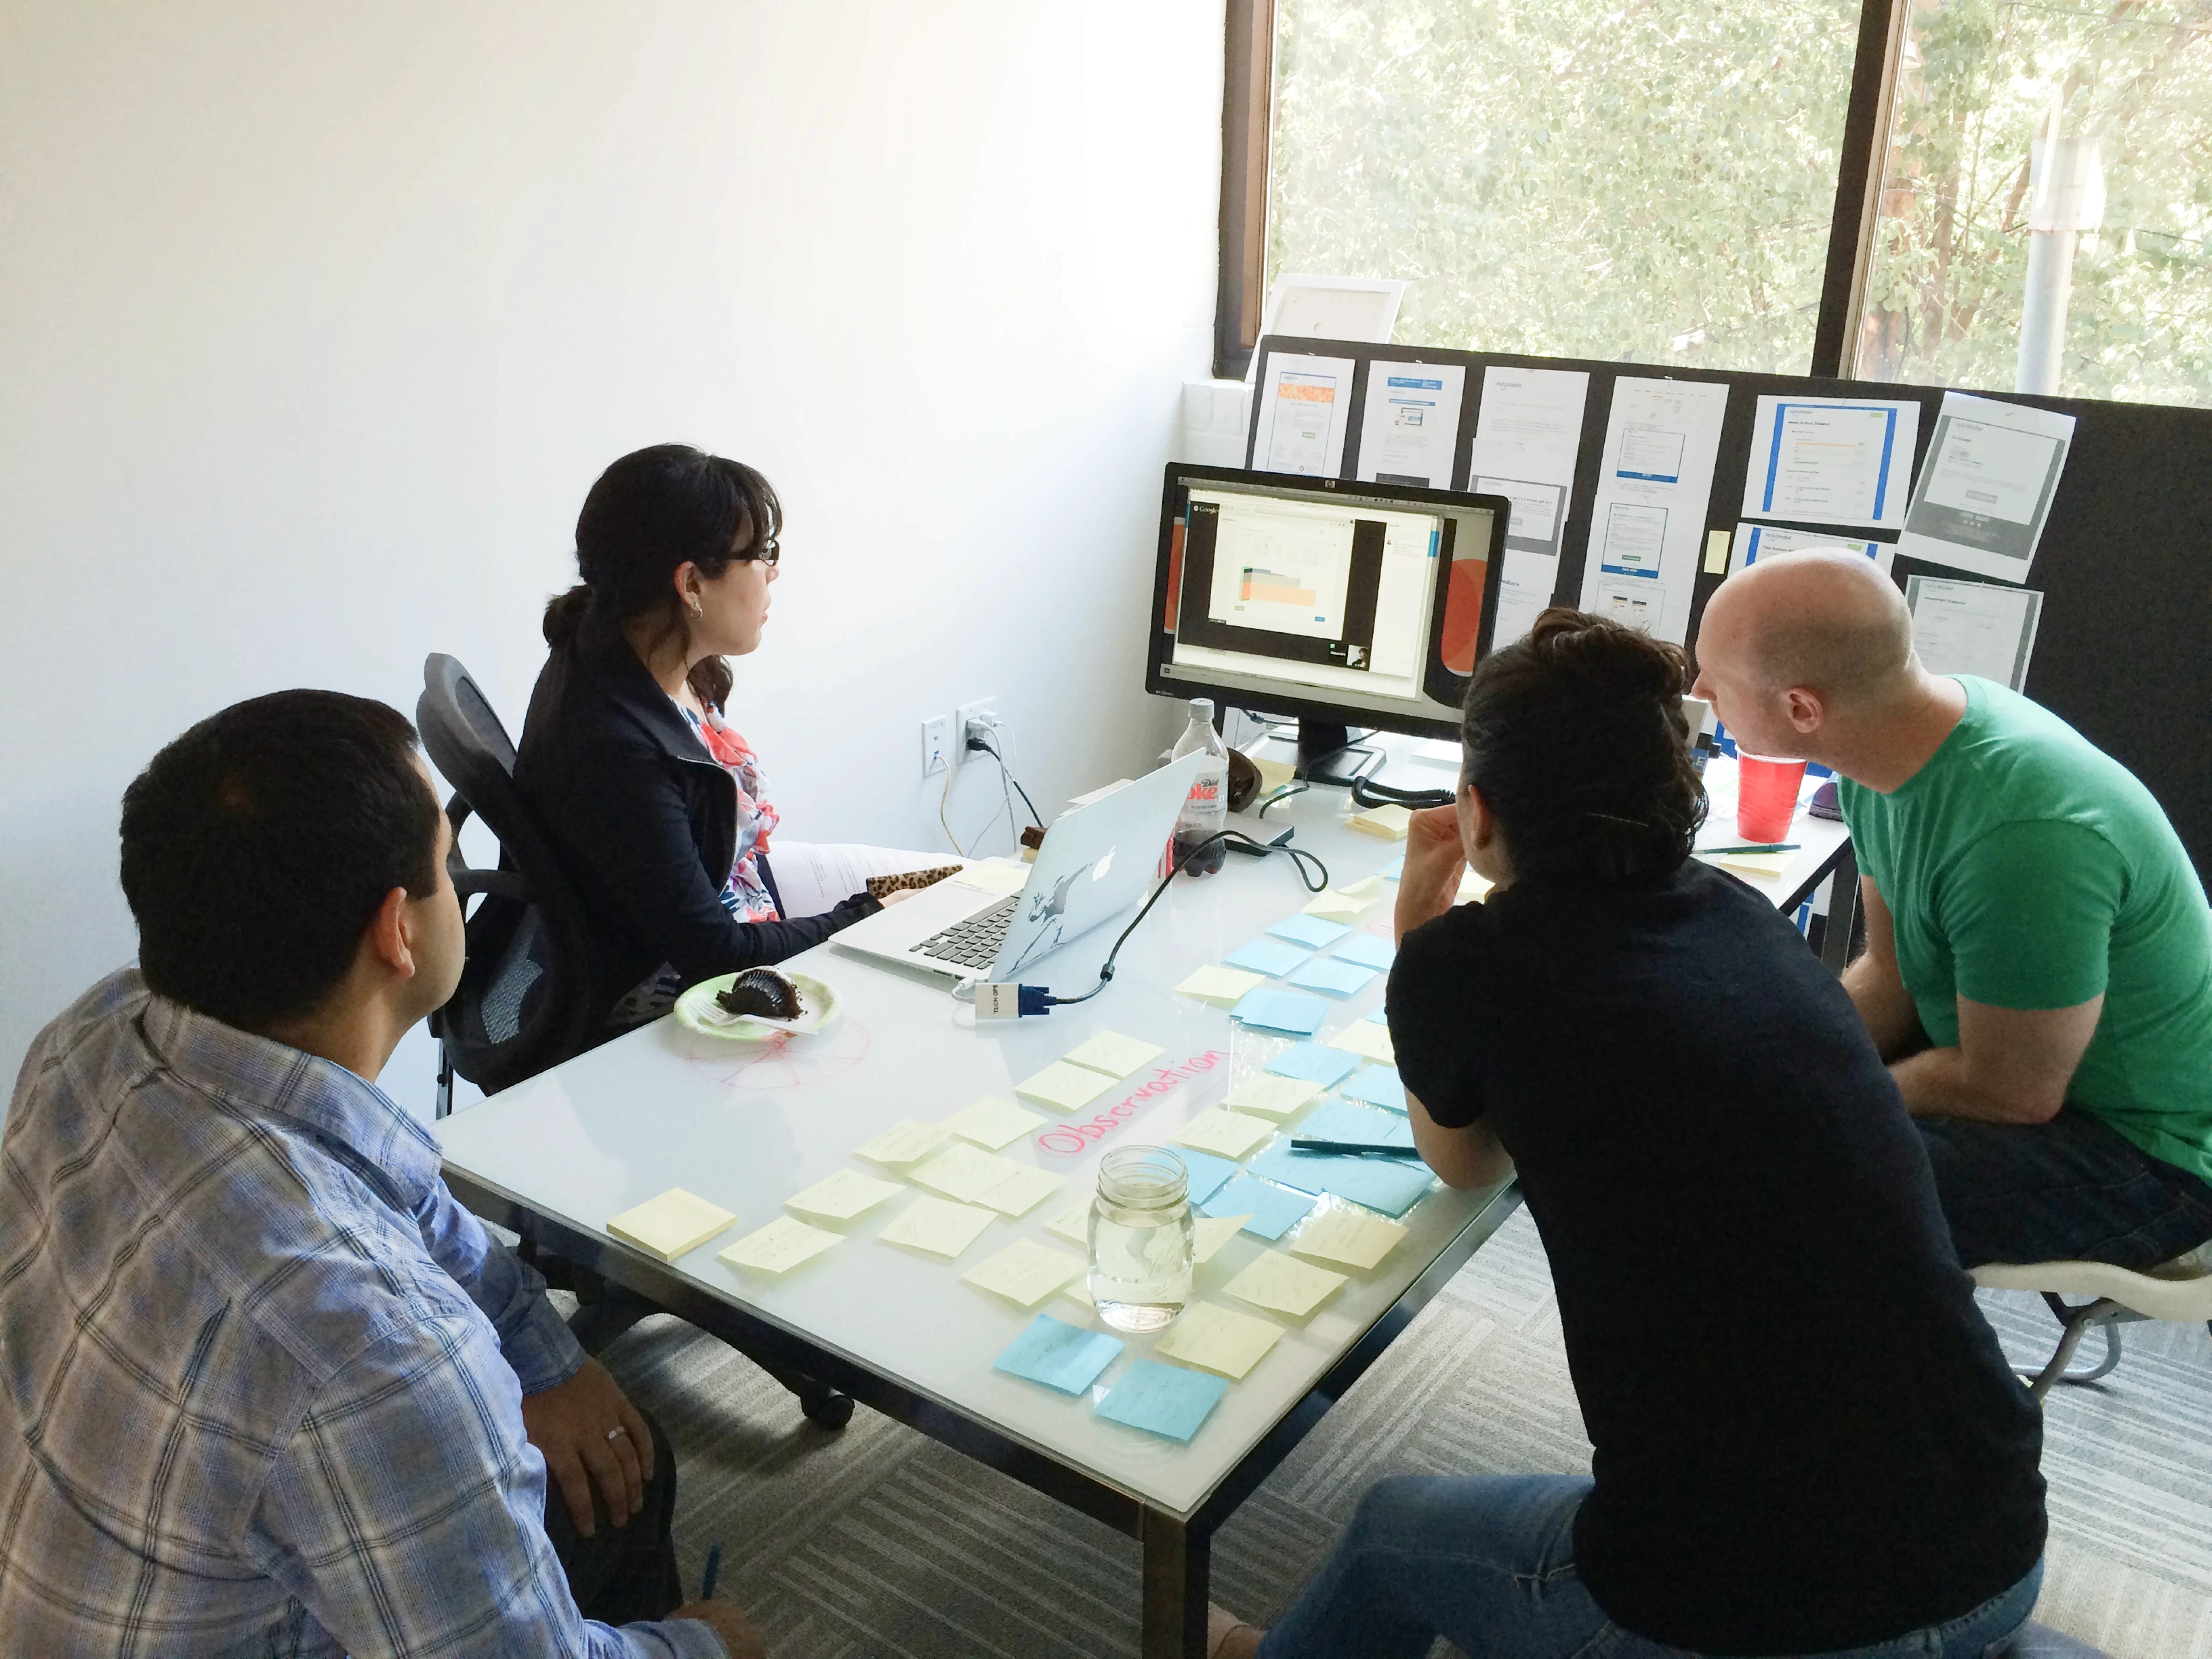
point(1350, 1148)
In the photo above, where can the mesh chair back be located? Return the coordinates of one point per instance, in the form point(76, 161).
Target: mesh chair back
point(523, 1002)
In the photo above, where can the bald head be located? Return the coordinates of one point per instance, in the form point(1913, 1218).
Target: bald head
point(1827, 622)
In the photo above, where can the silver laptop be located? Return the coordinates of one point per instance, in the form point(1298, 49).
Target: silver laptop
point(1096, 862)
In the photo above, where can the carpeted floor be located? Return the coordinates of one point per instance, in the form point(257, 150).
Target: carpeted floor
point(875, 1542)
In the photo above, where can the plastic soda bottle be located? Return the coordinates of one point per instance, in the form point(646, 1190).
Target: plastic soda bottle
point(1205, 809)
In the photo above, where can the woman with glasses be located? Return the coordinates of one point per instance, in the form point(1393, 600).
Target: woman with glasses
point(659, 803)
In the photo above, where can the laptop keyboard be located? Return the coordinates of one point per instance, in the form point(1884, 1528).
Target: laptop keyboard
point(974, 943)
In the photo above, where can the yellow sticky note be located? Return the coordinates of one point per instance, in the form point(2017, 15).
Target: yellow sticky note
point(1021, 1191)
point(1271, 1095)
point(1212, 1232)
point(1364, 887)
point(843, 1195)
point(1287, 1285)
point(992, 1123)
point(1224, 1133)
point(1764, 867)
point(961, 1171)
point(995, 876)
point(1716, 552)
point(905, 1142)
point(1473, 889)
point(1079, 1289)
point(1063, 1087)
point(1389, 822)
point(674, 1223)
point(1225, 988)
point(1073, 1223)
point(1275, 774)
point(1218, 1340)
point(784, 1242)
point(1364, 1037)
point(1024, 1272)
point(1333, 906)
point(1351, 1236)
point(1114, 1055)
point(937, 1226)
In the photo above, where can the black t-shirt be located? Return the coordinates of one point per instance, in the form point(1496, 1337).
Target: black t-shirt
point(1807, 1437)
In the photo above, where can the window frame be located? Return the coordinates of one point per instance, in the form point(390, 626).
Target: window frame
point(1248, 109)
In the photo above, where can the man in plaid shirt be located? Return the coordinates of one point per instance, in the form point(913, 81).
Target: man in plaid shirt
point(266, 1390)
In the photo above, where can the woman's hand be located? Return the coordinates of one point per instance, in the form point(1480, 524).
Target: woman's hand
point(1429, 884)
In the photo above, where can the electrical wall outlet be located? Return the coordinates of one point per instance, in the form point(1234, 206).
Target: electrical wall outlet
point(936, 746)
point(983, 709)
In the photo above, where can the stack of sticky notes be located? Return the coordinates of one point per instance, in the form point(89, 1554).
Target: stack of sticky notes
point(1387, 822)
point(784, 1242)
point(1222, 986)
point(673, 1224)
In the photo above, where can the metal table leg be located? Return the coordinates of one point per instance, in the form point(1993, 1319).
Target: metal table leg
point(1176, 1561)
point(1842, 914)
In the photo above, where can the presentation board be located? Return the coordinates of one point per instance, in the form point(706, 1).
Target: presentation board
point(1634, 485)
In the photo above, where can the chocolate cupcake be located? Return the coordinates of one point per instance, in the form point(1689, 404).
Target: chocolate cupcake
point(763, 991)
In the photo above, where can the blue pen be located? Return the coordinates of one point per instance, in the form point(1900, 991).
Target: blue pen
point(714, 1571)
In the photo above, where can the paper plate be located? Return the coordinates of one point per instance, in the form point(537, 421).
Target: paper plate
point(695, 1011)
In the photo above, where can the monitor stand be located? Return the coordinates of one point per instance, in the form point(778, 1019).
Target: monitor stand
point(1321, 742)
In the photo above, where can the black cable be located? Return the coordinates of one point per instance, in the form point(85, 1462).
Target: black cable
point(1299, 856)
point(991, 750)
point(1367, 792)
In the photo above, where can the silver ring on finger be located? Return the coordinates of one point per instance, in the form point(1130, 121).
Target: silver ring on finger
point(617, 1432)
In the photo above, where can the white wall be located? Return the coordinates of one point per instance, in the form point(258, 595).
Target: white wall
point(316, 322)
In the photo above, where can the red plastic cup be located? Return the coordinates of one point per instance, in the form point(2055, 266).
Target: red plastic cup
point(1766, 796)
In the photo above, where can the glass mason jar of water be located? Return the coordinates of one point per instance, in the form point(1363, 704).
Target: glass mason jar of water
point(1141, 1238)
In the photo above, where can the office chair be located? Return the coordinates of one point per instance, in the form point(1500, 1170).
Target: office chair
point(523, 1002)
point(2179, 1291)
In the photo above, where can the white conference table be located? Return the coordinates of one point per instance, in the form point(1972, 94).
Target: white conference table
point(748, 1126)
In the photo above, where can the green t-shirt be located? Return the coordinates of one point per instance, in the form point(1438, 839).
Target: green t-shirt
point(2026, 868)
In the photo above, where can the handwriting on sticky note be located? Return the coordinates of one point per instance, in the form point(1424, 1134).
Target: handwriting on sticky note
point(1021, 1191)
point(1073, 1223)
point(1114, 1054)
point(992, 1123)
point(1273, 1097)
point(961, 1171)
point(1162, 1400)
point(1364, 1037)
point(1059, 1355)
point(673, 1224)
point(842, 1195)
point(1348, 1236)
point(1283, 1284)
point(1210, 1232)
point(937, 1226)
point(783, 1243)
point(1064, 1087)
point(1024, 1272)
point(1222, 986)
point(904, 1142)
point(1225, 1134)
point(1218, 1340)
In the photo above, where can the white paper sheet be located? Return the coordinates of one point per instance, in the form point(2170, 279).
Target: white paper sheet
point(1753, 542)
point(1648, 518)
point(1411, 425)
point(1973, 628)
point(1985, 490)
point(812, 877)
point(1830, 460)
point(1527, 433)
point(1526, 583)
point(1299, 417)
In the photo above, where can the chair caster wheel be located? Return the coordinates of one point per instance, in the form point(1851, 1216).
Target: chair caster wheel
point(830, 1408)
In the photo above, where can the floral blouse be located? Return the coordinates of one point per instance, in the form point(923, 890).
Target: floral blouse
point(745, 895)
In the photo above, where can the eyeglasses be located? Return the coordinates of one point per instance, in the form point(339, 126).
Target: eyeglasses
point(767, 552)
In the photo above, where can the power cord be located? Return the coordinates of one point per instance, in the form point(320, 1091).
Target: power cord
point(991, 999)
point(991, 750)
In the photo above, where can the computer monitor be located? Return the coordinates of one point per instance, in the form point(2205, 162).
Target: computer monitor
point(1343, 604)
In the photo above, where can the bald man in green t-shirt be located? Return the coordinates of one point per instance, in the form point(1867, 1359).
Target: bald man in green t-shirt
point(2039, 962)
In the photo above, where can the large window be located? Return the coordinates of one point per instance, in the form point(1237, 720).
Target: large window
point(2006, 194)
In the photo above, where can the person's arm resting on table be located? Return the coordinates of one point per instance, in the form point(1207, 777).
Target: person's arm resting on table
point(2029, 914)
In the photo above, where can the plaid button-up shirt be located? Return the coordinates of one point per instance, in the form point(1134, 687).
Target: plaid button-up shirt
point(261, 1378)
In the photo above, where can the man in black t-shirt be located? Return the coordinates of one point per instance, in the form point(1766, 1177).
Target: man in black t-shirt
point(1806, 1438)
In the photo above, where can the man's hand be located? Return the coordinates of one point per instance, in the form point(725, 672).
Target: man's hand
point(726, 1621)
point(590, 1435)
point(1429, 884)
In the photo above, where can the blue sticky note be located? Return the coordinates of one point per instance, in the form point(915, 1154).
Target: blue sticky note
point(1310, 930)
point(1391, 1185)
point(1358, 1126)
point(1059, 1355)
point(1162, 1400)
point(1394, 869)
point(1378, 1085)
point(1274, 1210)
point(1378, 1015)
point(1313, 1062)
point(1207, 1172)
point(1369, 952)
point(1327, 974)
point(1282, 1011)
point(1266, 956)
